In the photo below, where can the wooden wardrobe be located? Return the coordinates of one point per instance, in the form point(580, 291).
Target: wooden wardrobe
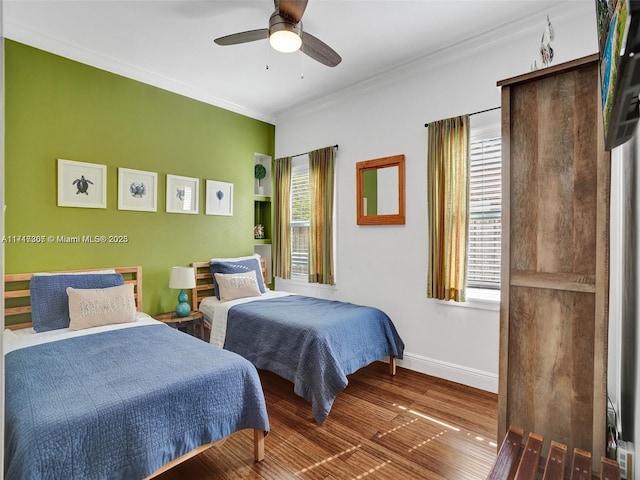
point(555, 248)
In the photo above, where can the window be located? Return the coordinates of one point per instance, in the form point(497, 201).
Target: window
point(485, 225)
point(305, 250)
point(300, 215)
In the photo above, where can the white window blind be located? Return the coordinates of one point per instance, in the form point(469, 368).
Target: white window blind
point(485, 209)
point(300, 215)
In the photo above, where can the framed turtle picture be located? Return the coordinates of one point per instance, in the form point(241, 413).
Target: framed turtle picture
point(82, 184)
point(219, 198)
point(137, 190)
point(182, 194)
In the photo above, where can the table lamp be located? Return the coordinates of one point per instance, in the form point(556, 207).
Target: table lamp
point(182, 277)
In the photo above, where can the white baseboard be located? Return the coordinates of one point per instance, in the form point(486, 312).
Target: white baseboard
point(450, 371)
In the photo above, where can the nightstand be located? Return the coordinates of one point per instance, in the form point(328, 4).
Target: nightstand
point(194, 322)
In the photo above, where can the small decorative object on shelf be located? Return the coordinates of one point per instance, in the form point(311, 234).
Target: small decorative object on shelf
point(258, 232)
point(260, 172)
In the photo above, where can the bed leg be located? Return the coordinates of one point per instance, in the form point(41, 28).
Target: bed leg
point(392, 365)
point(258, 444)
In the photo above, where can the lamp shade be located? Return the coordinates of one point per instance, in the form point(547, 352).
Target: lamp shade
point(182, 277)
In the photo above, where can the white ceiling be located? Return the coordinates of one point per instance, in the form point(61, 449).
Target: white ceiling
point(169, 43)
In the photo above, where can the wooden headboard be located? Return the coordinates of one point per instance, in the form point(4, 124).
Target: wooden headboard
point(16, 292)
point(204, 281)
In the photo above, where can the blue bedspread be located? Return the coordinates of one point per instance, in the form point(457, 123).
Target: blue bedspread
point(311, 342)
point(120, 404)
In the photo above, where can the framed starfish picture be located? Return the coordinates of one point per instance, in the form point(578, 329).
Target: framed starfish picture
point(82, 184)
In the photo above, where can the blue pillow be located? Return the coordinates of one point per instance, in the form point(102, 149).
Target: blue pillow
point(49, 299)
point(237, 266)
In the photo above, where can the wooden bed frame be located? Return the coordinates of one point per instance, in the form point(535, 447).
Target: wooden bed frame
point(204, 282)
point(16, 291)
point(205, 288)
point(16, 294)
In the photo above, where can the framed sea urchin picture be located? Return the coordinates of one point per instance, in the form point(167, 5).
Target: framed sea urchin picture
point(182, 194)
point(82, 184)
point(219, 198)
point(137, 190)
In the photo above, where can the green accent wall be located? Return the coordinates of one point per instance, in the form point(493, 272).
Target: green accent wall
point(58, 108)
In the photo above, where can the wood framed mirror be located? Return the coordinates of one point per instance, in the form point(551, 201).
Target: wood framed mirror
point(380, 191)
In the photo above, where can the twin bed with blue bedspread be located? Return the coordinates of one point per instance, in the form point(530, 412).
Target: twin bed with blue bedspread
point(119, 400)
point(312, 342)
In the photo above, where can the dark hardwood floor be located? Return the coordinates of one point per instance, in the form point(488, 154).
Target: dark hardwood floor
point(411, 426)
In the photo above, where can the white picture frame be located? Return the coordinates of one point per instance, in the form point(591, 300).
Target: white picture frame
point(219, 198)
point(81, 184)
point(137, 190)
point(182, 194)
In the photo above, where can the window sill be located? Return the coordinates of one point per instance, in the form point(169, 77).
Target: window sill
point(299, 282)
point(478, 298)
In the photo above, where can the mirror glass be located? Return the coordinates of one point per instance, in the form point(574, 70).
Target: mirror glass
point(380, 191)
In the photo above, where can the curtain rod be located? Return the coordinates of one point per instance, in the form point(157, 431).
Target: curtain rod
point(306, 153)
point(475, 113)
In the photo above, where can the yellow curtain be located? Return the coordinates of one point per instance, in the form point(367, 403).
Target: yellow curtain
point(282, 218)
point(321, 178)
point(448, 207)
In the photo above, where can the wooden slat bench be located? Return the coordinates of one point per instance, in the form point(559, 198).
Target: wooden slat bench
point(516, 463)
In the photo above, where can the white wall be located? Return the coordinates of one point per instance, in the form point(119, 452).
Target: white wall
point(386, 266)
point(636, 381)
point(630, 375)
point(624, 310)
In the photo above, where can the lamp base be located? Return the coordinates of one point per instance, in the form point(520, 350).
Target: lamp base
point(183, 308)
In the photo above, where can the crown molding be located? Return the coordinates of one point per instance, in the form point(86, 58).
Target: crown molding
point(437, 59)
point(37, 39)
point(432, 61)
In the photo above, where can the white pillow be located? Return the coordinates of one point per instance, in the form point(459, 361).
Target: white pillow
point(237, 285)
point(92, 272)
point(236, 259)
point(94, 307)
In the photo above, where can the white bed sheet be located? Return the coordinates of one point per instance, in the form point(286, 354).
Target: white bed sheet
point(215, 313)
point(27, 337)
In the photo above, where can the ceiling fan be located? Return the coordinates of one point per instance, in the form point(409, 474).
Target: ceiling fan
point(285, 34)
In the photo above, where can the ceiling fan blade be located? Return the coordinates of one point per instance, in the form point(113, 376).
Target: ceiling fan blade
point(291, 9)
point(243, 37)
point(318, 50)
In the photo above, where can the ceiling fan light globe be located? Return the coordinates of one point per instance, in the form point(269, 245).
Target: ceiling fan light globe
point(285, 41)
point(284, 35)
